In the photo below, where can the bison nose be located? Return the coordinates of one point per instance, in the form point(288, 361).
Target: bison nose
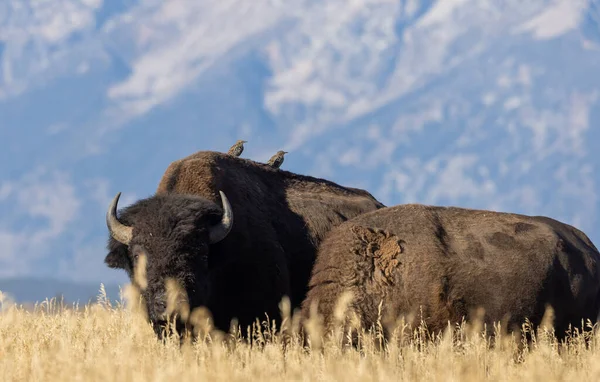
point(160, 309)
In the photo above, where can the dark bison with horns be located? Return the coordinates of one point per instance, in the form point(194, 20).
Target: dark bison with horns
point(451, 261)
point(237, 235)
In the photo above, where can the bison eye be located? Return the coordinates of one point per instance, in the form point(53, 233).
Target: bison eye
point(135, 254)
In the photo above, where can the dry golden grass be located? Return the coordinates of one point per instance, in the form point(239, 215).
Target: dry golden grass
point(101, 342)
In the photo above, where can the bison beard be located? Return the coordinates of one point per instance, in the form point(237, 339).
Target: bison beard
point(238, 270)
point(450, 261)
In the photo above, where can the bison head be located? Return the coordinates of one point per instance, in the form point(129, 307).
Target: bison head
point(170, 236)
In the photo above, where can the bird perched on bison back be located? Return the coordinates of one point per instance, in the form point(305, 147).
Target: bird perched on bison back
point(235, 236)
point(237, 148)
point(277, 159)
point(444, 263)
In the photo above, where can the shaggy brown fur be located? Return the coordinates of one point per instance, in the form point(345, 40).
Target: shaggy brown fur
point(279, 219)
point(450, 261)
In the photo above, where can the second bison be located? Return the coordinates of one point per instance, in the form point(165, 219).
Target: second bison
point(445, 262)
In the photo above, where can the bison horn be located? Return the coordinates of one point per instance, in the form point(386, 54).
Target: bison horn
point(119, 231)
point(220, 231)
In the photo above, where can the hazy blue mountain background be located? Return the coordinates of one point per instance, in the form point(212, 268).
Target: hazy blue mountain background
point(475, 103)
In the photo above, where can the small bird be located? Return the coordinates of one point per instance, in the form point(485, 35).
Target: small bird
point(277, 159)
point(237, 148)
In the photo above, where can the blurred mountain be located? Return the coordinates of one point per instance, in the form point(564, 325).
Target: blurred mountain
point(483, 104)
point(32, 290)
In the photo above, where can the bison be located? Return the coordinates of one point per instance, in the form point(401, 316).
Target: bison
point(441, 264)
point(235, 234)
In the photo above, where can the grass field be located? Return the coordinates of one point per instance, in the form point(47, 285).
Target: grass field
point(104, 342)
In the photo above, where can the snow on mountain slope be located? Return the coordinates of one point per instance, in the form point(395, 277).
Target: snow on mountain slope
point(486, 104)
